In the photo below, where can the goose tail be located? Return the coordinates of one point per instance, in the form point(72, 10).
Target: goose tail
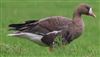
point(22, 25)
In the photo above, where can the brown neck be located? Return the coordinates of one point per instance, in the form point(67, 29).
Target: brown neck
point(77, 20)
point(76, 15)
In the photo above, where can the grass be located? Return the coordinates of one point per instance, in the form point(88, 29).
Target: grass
point(16, 11)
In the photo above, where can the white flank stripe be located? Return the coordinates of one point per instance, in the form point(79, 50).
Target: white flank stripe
point(55, 32)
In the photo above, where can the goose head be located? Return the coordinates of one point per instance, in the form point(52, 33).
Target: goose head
point(84, 9)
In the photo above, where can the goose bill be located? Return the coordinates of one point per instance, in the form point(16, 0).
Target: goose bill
point(91, 13)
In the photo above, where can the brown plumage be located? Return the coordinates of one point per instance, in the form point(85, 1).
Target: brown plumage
point(50, 27)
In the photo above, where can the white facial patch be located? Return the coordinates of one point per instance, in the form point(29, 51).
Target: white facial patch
point(90, 11)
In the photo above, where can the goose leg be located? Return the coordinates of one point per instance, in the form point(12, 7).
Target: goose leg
point(50, 49)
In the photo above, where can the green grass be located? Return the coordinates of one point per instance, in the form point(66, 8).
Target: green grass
point(16, 11)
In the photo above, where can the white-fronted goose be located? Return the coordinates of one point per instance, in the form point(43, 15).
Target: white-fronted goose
point(45, 30)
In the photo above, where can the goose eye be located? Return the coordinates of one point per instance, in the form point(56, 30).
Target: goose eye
point(87, 8)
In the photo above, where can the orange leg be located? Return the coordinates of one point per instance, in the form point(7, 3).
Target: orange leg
point(63, 46)
point(50, 49)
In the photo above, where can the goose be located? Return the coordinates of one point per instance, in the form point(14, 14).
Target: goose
point(45, 31)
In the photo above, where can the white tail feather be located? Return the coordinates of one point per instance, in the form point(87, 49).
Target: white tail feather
point(13, 34)
point(16, 34)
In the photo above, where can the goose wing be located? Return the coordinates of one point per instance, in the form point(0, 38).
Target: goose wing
point(43, 26)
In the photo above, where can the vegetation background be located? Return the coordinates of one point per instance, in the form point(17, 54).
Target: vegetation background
point(17, 11)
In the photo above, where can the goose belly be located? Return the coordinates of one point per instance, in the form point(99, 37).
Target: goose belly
point(30, 36)
point(37, 39)
point(76, 33)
